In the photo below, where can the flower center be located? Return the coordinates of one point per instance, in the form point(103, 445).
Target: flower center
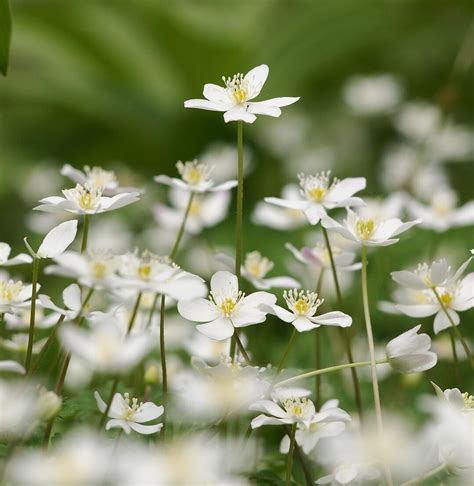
point(100, 178)
point(87, 197)
point(99, 270)
point(468, 401)
point(302, 302)
point(130, 409)
point(10, 291)
point(446, 298)
point(443, 203)
point(424, 272)
point(238, 87)
point(144, 271)
point(193, 173)
point(227, 303)
point(316, 187)
point(296, 407)
point(365, 228)
point(228, 306)
point(256, 265)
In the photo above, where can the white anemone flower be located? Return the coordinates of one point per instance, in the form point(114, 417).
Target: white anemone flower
point(226, 308)
point(235, 98)
point(303, 306)
point(72, 302)
point(330, 421)
point(87, 199)
point(129, 414)
point(442, 213)
point(20, 318)
point(319, 194)
point(14, 295)
point(195, 177)
point(19, 343)
point(5, 261)
point(410, 352)
point(368, 231)
point(206, 211)
point(277, 217)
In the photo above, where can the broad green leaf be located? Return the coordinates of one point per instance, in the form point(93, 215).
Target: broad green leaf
point(5, 34)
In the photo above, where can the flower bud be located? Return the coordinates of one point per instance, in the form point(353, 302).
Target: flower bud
point(152, 375)
point(49, 405)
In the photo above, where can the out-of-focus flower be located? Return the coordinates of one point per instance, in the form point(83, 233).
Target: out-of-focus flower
point(195, 177)
point(303, 306)
point(280, 218)
point(13, 366)
point(226, 308)
point(19, 343)
point(350, 473)
point(372, 95)
point(71, 299)
point(418, 120)
point(5, 261)
point(206, 211)
point(442, 214)
point(410, 352)
point(130, 414)
point(292, 411)
point(14, 295)
point(20, 318)
point(49, 405)
point(381, 209)
point(234, 98)
point(320, 193)
point(369, 232)
point(207, 349)
point(87, 199)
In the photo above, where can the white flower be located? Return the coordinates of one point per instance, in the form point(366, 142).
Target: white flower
point(207, 210)
point(372, 95)
point(320, 194)
point(280, 218)
point(418, 120)
point(87, 199)
point(328, 422)
point(380, 209)
point(72, 302)
point(19, 343)
point(5, 261)
point(462, 402)
point(303, 306)
point(295, 410)
point(410, 352)
point(226, 308)
point(13, 295)
point(234, 98)
point(20, 317)
point(350, 472)
point(13, 366)
point(57, 240)
point(442, 212)
point(195, 177)
point(130, 414)
point(104, 347)
point(368, 232)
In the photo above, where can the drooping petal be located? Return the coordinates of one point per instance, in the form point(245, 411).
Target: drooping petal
point(198, 310)
point(256, 78)
point(145, 429)
point(280, 312)
point(408, 279)
point(441, 321)
point(303, 324)
point(219, 329)
point(239, 113)
point(148, 411)
point(118, 423)
point(264, 420)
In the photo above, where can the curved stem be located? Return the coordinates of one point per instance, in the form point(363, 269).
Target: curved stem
point(454, 327)
point(290, 455)
point(344, 332)
point(164, 374)
point(373, 362)
point(179, 237)
point(287, 351)
point(427, 475)
point(31, 335)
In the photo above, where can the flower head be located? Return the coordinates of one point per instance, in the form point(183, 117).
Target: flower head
point(5, 261)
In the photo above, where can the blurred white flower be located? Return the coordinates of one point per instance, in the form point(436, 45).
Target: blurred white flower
point(369, 232)
point(380, 209)
point(19, 343)
point(303, 306)
point(129, 414)
point(5, 261)
point(13, 366)
point(294, 410)
point(207, 349)
point(20, 318)
point(319, 193)
point(372, 95)
point(234, 98)
point(72, 302)
point(226, 308)
point(410, 352)
point(14, 295)
point(418, 120)
point(195, 177)
point(222, 158)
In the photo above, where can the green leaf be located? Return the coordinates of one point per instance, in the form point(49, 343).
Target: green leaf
point(5, 34)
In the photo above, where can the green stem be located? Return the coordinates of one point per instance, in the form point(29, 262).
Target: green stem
point(344, 332)
point(85, 233)
point(455, 358)
point(241, 347)
point(152, 311)
point(290, 455)
point(133, 316)
point(179, 237)
point(427, 475)
point(317, 349)
point(31, 335)
point(164, 373)
point(454, 327)
point(373, 361)
point(287, 351)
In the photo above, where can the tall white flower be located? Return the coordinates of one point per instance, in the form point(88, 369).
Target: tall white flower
point(319, 193)
point(235, 98)
point(129, 414)
point(368, 231)
point(303, 306)
point(5, 261)
point(195, 177)
point(410, 352)
point(226, 308)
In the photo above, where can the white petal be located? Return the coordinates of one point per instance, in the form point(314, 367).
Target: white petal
point(72, 297)
point(119, 200)
point(239, 113)
point(421, 310)
point(148, 411)
point(75, 175)
point(206, 105)
point(314, 213)
point(217, 94)
point(100, 403)
point(287, 203)
point(256, 78)
point(219, 329)
point(224, 284)
point(408, 279)
point(197, 310)
point(246, 315)
point(13, 366)
point(264, 109)
point(171, 181)
point(346, 188)
point(439, 271)
point(335, 318)
point(282, 283)
point(442, 322)
point(58, 239)
point(303, 324)
point(145, 429)
point(269, 407)
point(122, 424)
point(280, 312)
point(414, 363)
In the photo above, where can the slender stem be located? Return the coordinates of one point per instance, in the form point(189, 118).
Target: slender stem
point(344, 332)
point(322, 371)
point(152, 310)
point(426, 475)
point(133, 316)
point(240, 198)
point(317, 349)
point(289, 464)
point(164, 373)
point(373, 361)
point(454, 327)
point(455, 358)
point(287, 351)
point(85, 233)
point(31, 335)
point(179, 237)
point(241, 347)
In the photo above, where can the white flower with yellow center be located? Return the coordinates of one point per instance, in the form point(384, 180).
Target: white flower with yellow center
point(226, 307)
point(319, 194)
point(13, 295)
point(86, 199)
point(234, 99)
point(130, 414)
point(303, 305)
point(463, 402)
point(368, 231)
point(5, 261)
point(195, 177)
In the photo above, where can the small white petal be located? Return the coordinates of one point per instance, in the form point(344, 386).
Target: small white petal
point(58, 239)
